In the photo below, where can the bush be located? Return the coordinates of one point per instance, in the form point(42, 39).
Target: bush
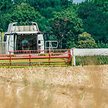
point(102, 45)
point(86, 41)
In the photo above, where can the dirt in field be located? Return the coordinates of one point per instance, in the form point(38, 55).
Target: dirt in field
point(54, 87)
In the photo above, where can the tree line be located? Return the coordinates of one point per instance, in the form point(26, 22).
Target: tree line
point(83, 25)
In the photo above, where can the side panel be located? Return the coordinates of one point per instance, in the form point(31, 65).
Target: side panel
point(40, 42)
point(9, 43)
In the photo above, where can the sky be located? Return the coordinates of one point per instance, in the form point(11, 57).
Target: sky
point(77, 1)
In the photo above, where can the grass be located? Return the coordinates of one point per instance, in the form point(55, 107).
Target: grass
point(92, 60)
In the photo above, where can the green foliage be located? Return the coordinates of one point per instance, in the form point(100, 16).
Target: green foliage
point(5, 5)
point(86, 41)
point(102, 45)
point(23, 14)
point(66, 26)
point(47, 7)
point(60, 19)
point(99, 1)
point(38, 4)
point(95, 19)
point(19, 1)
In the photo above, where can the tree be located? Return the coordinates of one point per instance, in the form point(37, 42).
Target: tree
point(40, 4)
point(66, 26)
point(86, 41)
point(47, 7)
point(24, 13)
point(95, 19)
point(5, 5)
point(99, 1)
point(4, 21)
point(19, 1)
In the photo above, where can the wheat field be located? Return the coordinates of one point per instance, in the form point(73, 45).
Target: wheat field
point(54, 87)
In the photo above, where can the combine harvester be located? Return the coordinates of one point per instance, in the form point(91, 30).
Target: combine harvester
point(25, 46)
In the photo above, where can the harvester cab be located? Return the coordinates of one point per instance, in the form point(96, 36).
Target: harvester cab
point(26, 37)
